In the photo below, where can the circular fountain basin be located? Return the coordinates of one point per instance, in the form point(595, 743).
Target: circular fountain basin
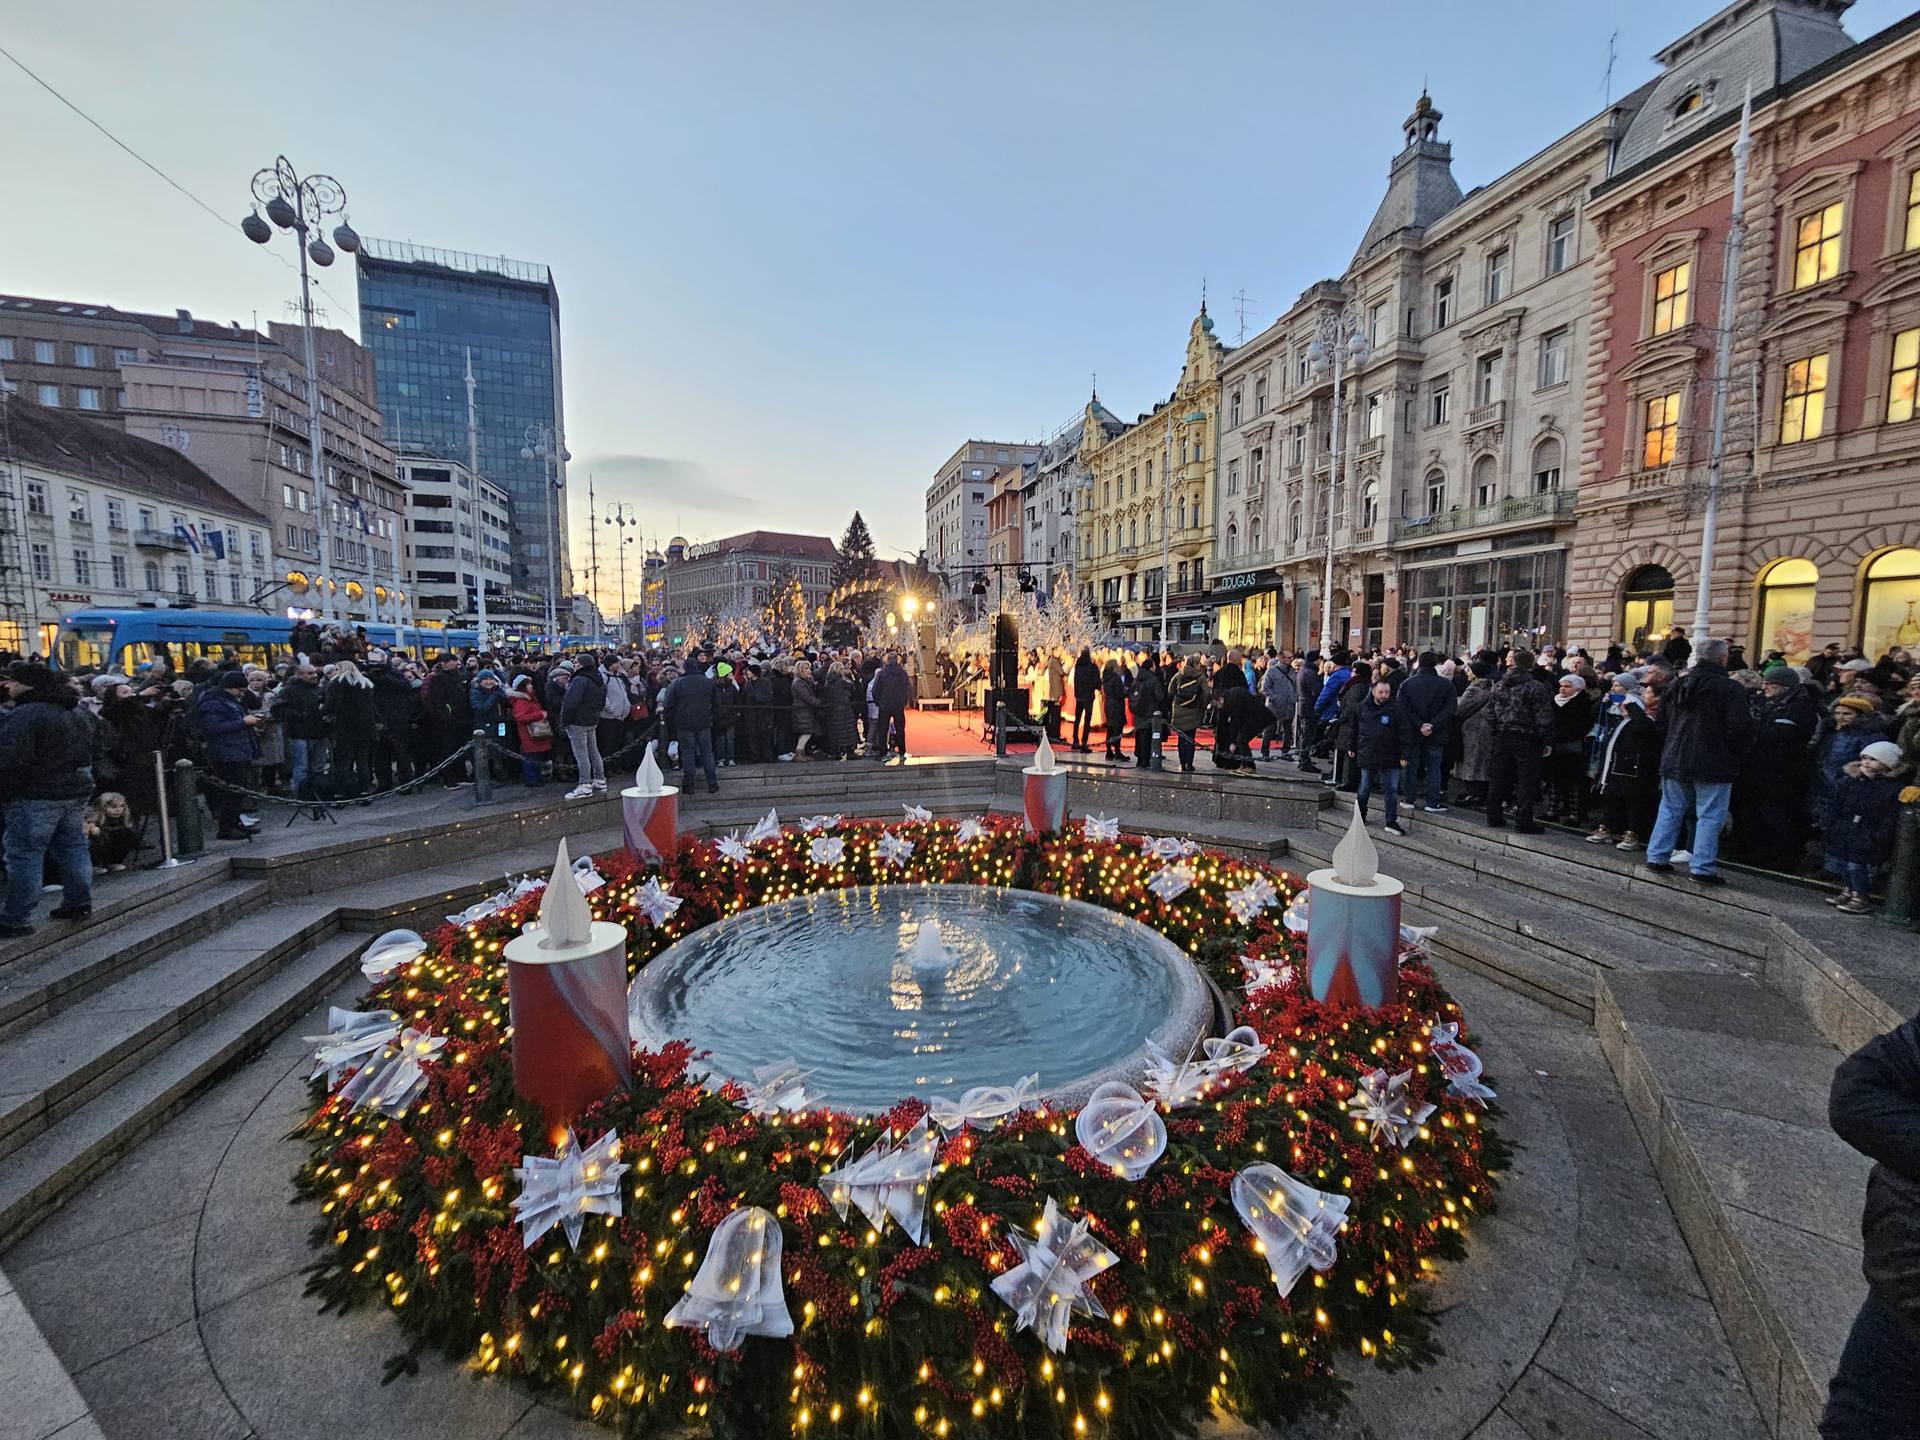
point(1033, 984)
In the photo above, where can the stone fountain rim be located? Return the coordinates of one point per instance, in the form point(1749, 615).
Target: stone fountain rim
point(1188, 1018)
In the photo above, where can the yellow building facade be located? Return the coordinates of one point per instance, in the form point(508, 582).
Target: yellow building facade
point(1147, 524)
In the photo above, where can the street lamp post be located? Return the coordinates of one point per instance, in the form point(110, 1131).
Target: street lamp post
point(302, 206)
point(1338, 346)
point(550, 447)
point(622, 515)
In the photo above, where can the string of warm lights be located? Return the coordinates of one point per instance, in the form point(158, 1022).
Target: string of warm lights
point(891, 1338)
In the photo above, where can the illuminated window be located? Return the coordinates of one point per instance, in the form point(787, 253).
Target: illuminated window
point(1906, 371)
point(1786, 609)
point(1803, 410)
point(1661, 430)
point(1890, 606)
point(1670, 290)
point(1913, 211)
point(1816, 246)
point(1693, 100)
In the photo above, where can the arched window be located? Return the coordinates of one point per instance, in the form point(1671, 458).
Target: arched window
point(1646, 607)
point(1436, 493)
point(1233, 539)
point(1253, 535)
point(1890, 602)
point(1133, 532)
point(1296, 518)
point(1180, 514)
point(1785, 610)
point(152, 572)
point(1486, 482)
point(1149, 518)
point(1546, 467)
point(1370, 504)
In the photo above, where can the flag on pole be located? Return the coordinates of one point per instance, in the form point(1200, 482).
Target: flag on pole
point(217, 543)
point(188, 533)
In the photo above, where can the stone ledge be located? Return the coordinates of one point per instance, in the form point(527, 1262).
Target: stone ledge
point(41, 1401)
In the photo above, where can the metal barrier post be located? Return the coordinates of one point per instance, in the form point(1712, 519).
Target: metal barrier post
point(482, 773)
point(1000, 729)
point(186, 809)
point(1903, 880)
point(1159, 740)
point(168, 860)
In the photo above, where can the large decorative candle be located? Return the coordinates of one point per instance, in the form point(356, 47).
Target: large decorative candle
point(567, 996)
point(1353, 926)
point(650, 812)
point(1045, 795)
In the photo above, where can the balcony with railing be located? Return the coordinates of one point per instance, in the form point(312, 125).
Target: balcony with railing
point(158, 540)
point(1482, 416)
point(1515, 510)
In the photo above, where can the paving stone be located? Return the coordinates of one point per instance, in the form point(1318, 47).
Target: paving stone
point(1545, 1407)
point(252, 1231)
point(1734, 1006)
point(39, 1399)
point(543, 1422)
point(1659, 1359)
point(1801, 1176)
point(162, 1389)
point(1813, 1284)
point(1782, 1080)
point(1499, 1426)
point(94, 1303)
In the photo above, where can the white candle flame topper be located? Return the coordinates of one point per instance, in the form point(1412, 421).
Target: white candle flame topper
point(565, 1190)
point(647, 779)
point(1295, 1223)
point(1049, 1285)
point(1122, 1130)
point(737, 1291)
point(1355, 860)
point(889, 1180)
point(985, 1106)
point(1044, 762)
point(565, 919)
point(931, 955)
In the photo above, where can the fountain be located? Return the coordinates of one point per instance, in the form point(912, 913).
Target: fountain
point(884, 991)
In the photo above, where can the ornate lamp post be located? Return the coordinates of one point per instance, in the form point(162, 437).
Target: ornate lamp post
point(302, 206)
point(550, 447)
point(622, 515)
point(1339, 346)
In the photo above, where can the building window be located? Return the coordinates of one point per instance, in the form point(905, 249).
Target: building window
point(1369, 504)
point(1559, 244)
point(254, 548)
point(212, 579)
point(118, 564)
point(78, 510)
point(1298, 454)
point(1785, 609)
point(1646, 608)
point(1499, 269)
point(1486, 380)
point(6, 347)
point(286, 497)
point(125, 356)
point(1302, 368)
point(1233, 480)
point(1235, 409)
point(1443, 303)
point(44, 352)
point(1906, 370)
point(1553, 358)
point(1260, 396)
point(1296, 517)
point(36, 497)
point(1233, 539)
point(83, 567)
point(1376, 415)
point(1816, 245)
point(87, 398)
point(1891, 602)
point(49, 396)
point(83, 356)
point(42, 562)
point(233, 586)
point(1436, 493)
point(1803, 409)
point(181, 584)
point(1660, 430)
point(116, 514)
point(1486, 483)
point(151, 572)
point(1546, 467)
point(1440, 402)
point(1259, 466)
point(1670, 289)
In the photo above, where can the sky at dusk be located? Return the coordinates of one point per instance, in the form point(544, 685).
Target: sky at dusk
point(802, 251)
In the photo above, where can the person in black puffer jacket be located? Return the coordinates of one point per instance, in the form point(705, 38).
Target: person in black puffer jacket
point(1522, 711)
point(46, 776)
point(396, 705)
point(296, 705)
point(347, 702)
point(580, 711)
point(1875, 1107)
point(1710, 728)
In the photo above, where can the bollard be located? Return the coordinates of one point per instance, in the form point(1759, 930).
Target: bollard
point(1159, 740)
point(190, 838)
point(482, 772)
point(168, 860)
point(1000, 729)
point(1903, 880)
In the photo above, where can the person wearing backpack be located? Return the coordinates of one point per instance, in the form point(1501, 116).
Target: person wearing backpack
point(580, 711)
point(614, 712)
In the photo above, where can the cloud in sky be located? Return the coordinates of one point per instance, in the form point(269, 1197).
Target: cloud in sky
point(658, 478)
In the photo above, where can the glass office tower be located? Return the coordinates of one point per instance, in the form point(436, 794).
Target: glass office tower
point(421, 310)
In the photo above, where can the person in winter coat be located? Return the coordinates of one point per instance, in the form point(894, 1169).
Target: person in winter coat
point(1566, 768)
point(1709, 731)
point(226, 729)
point(1522, 730)
point(484, 699)
point(347, 702)
point(1429, 702)
point(46, 775)
point(686, 711)
point(296, 705)
point(1188, 698)
point(1146, 701)
point(535, 733)
point(1473, 721)
point(449, 715)
point(1346, 729)
point(783, 737)
point(580, 711)
point(1860, 833)
point(1770, 797)
point(893, 692)
point(1874, 1106)
point(1113, 704)
point(1856, 725)
point(1624, 766)
point(753, 734)
point(396, 706)
point(1384, 735)
point(806, 713)
point(838, 732)
point(614, 710)
point(1278, 694)
point(727, 701)
point(1086, 689)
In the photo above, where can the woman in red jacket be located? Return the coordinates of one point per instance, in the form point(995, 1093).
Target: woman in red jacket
point(536, 731)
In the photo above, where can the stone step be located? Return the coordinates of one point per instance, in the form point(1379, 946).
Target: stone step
point(42, 1174)
point(57, 1066)
point(116, 899)
point(1727, 1081)
point(58, 977)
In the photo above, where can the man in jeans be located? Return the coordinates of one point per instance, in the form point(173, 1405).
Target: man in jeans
point(1522, 729)
point(1428, 699)
point(686, 710)
point(46, 776)
point(1710, 728)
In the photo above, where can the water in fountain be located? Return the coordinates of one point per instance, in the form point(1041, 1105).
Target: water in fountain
point(931, 955)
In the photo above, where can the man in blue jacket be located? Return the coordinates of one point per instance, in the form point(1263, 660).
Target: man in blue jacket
point(46, 777)
point(1326, 706)
point(226, 727)
point(1427, 698)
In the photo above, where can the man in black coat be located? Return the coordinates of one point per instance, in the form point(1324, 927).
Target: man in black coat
point(1875, 1107)
point(46, 777)
point(1147, 699)
point(1383, 736)
point(1710, 728)
point(395, 704)
point(1428, 699)
point(892, 693)
point(1086, 686)
point(686, 710)
point(449, 714)
point(1522, 711)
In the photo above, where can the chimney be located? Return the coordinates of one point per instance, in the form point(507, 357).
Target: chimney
point(183, 321)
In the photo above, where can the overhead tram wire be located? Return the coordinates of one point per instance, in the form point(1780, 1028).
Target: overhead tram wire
point(225, 222)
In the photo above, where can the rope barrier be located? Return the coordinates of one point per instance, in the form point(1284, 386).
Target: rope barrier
point(458, 756)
